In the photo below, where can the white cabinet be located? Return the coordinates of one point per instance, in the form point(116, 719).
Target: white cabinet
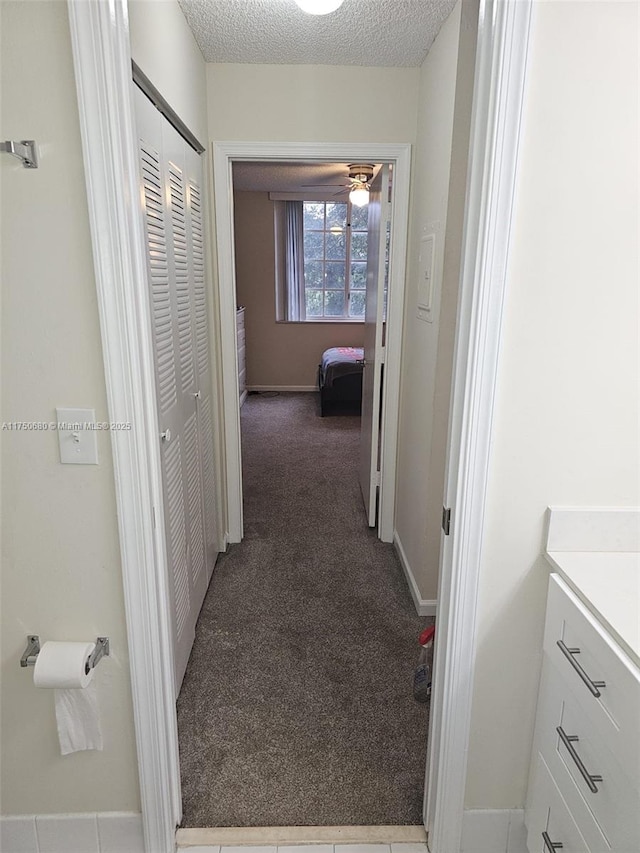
point(242, 367)
point(584, 788)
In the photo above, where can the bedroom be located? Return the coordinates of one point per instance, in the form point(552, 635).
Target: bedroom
point(283, 351)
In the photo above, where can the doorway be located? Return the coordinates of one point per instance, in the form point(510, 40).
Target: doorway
point(311, 270)
point(297, 707)
point(224, 155)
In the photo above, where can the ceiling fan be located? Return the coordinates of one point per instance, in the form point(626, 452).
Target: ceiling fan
point(359, 177)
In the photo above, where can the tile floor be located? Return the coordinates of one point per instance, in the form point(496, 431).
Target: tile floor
point(312, 848)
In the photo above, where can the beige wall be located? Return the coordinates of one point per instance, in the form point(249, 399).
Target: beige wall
point(310, 103)
point(164, 48)
point(566, 418)
point(418, 463)
point(61, 575)
point(281, 354)
point(299, 104)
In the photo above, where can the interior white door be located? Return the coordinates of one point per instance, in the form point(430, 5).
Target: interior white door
point(171, 180)
point(373, 343)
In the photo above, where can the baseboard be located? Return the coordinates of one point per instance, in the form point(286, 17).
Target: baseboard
point(285, 389)
point(283, 836)
point(424, 606)
point(493, 831)
point(93, 832)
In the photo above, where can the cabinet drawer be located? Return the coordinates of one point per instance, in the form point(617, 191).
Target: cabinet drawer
point(241, 336)
point(240, 319)
point(575, 752)
point(241, 357)
point(548, 813)
point(571, 627)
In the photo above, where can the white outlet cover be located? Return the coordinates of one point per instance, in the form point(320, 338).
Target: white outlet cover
point(77, 436)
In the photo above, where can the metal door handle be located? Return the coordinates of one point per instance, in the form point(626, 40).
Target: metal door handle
point(197, 395)
point(568, 741)
point(166, 436)
point(550, 845)
point(569, 654)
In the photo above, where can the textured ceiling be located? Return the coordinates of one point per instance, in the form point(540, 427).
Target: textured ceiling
point(360, 32)
point(288, 177)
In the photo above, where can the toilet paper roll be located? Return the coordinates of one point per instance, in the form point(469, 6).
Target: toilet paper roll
point(63, 665)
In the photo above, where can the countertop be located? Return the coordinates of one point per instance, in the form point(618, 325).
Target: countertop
point(608, 582)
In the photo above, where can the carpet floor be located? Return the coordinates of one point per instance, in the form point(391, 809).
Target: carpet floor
point(297, 706)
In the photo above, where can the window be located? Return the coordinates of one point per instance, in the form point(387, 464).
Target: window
point(335, 261)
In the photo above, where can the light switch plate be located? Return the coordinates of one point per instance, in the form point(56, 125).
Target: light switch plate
point(425, 277)
point(77, 436)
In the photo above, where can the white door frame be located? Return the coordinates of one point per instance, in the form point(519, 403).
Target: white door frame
point(399, 155)
point(499, 89)
point(102, 62)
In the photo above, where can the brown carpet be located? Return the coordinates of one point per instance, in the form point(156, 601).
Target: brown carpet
point(297, 706)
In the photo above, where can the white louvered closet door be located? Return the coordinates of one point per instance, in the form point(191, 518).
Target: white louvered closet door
point(202, 365)
point(171, 181)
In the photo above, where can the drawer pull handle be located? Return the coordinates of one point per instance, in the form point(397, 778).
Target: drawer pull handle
point(569, 654)
point(550, 845)
point(568, 741)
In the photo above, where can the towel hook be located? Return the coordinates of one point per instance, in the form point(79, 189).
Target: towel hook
point(24, 150)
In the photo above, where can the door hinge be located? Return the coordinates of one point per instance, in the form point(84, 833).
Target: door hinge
point(383, 352)
point(377, 478)
point(446, 520)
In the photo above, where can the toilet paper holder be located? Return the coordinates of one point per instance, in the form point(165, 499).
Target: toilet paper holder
point(33, 650)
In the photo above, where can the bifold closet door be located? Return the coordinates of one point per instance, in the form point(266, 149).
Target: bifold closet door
point(171, 189)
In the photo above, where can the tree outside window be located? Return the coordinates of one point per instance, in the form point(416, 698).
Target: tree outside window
point(335, 260)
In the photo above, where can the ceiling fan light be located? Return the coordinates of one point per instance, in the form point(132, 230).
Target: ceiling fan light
point(319, 7)
point(359, 196)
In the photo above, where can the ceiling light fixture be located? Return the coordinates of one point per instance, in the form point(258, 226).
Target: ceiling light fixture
point(360, 174)
point(319, 7)
point(359, 196)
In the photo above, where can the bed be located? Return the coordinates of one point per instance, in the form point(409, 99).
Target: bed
point(340, 379)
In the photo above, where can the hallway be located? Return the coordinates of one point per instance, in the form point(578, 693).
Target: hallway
point(297, 706)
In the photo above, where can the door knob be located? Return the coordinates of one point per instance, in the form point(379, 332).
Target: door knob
point(166, 436)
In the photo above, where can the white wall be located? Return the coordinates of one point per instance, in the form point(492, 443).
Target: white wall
point(566, 420)
point(61, 574)
point(310, 103)
point(163, 46)
point(430, 196)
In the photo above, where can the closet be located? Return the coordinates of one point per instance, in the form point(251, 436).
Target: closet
point(171, 200)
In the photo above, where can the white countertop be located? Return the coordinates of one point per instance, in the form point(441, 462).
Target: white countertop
point(608, 582)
